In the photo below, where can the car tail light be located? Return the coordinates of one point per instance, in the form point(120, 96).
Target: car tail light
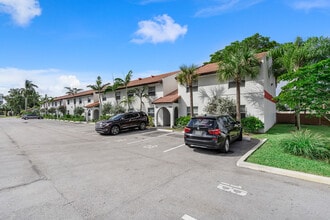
point(214, 132)
point(186, 130)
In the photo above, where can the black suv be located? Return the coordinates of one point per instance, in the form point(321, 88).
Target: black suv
point(122, 121)
point(213, 132)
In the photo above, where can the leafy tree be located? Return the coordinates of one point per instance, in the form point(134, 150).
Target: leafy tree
point(124, 83)
point(62, 109)
point(107, 108)
point(218, 105)
point(308, 89)
point(288, 58)
point(79, 111)
point(141, 92)
point(187, 77)
point(15, 101)
point(256, 42)
point(52, 110)
point(73, 92)
point(99, 88)
point(239, 62)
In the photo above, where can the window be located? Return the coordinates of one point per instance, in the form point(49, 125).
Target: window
point(68, 102)
point(151, 112)
point(232, 84)
point(89, 100)
point(55, 104)
point(130, 94)
point(151, 91)
point(194, 87)
point(80, 101)
point(195, 110)
point(117, 94)
point(104, 98)
point(60, 103)
point(74, 101)
point(242, 110)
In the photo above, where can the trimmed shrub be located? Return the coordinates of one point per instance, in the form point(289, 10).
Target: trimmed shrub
point(182, 121)
point(151, 121)
point(305, 143)
point(252, 124)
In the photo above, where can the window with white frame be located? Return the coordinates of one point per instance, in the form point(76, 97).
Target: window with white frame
point(242, 110)
point(80, 101)
point(195, 110)
point(194, 86)
point(68, 102)
point(117, 94)
point(104, 98)
point(232, 84)
point(151, 112)
point(151, 91)
point(89, 100)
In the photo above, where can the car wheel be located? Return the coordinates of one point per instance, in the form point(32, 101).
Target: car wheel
point(142, 126)
point(225, 147)
point(240, 137)
point(114, 130)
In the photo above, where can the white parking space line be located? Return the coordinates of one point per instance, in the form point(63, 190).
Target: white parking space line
point(134, 142)
point(173, 148)
point(187, 217)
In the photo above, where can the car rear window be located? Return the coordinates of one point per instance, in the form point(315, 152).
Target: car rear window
point(202, 122)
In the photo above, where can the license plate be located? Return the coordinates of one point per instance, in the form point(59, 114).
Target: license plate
point(198, 133)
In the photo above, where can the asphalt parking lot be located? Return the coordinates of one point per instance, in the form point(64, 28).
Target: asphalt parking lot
point(61, 170)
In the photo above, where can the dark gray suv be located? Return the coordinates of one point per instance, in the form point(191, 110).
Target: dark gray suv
point(213, 132)
point(122, 121)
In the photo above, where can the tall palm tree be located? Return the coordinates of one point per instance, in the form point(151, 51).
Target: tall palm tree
point(73, 92)
point(187, 77)
point(99, 88)
point(28, 90)
point(124, 83)
point(239, 62)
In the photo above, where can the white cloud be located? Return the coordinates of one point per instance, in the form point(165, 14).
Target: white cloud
point(161, 29)
point(311, 4)
point(49, 81)
point(21, 11)
point(222, 6)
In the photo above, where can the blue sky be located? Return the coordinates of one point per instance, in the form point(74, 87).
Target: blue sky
point(58, 43)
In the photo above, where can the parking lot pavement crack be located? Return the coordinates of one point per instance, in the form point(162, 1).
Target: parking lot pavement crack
point(23, 184)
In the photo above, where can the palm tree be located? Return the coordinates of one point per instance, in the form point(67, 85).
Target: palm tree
point(124, 83)
point(239, 62)
point(99, 87)
point(187, 77)
point(28, 90)
point(73, 92)
point(290, 57)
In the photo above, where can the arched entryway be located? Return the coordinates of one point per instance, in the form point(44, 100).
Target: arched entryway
point(163, 117)
point(96, 114)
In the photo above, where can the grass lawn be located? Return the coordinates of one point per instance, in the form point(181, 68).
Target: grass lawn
point(271, 153)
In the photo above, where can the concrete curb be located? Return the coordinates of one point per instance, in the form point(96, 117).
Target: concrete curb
point(295, 174)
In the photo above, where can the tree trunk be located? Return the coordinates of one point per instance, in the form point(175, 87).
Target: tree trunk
point(238, 100)
point(191, 101)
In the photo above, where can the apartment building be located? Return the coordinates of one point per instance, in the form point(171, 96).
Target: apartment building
point(167, 100)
